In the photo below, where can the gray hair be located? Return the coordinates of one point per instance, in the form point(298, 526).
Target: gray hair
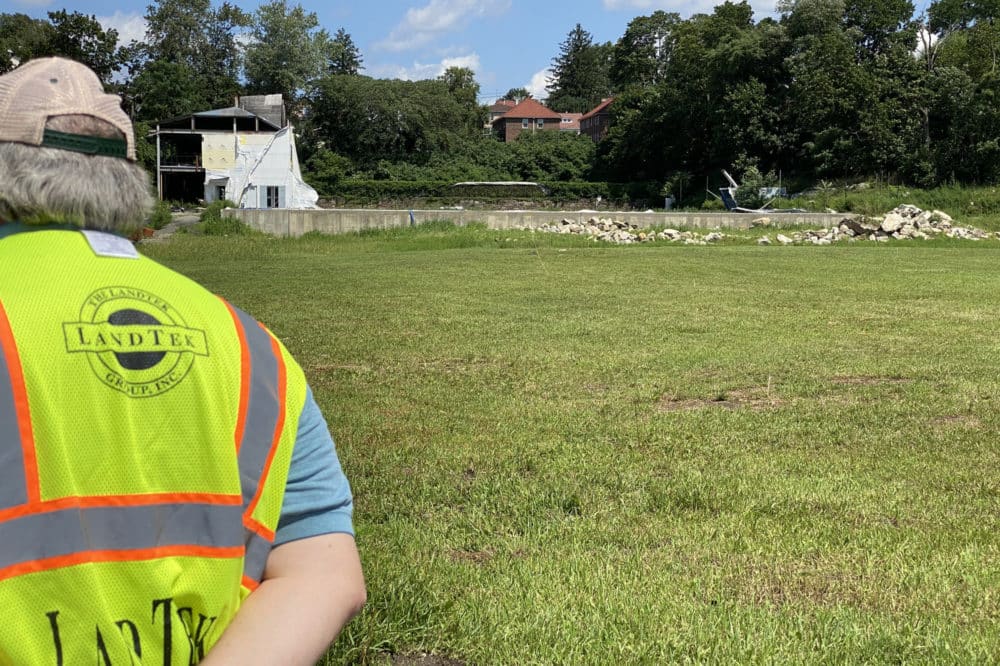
point(40, 184)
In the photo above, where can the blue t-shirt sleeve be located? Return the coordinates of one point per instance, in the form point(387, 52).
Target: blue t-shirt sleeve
point(317, 496)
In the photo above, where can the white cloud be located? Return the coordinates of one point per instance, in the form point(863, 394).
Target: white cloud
point(421, 71)
point(471, 61)
point(538, 83)
point(927, 43)
point(926, 38)
point(129, 26)
point(422, 25)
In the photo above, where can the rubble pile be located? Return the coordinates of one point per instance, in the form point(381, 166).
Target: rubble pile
point(903, 222)
point(621, 233)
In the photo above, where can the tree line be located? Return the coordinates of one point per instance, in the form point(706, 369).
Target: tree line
point(824, 89)
point(827, 89)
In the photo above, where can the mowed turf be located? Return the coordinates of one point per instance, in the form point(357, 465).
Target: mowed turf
point(603, 455)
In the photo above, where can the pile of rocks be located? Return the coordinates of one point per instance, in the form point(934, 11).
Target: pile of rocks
point(902, 222)
point(621, 233)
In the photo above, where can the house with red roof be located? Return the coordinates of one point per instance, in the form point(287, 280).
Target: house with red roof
point(528, 116)
point(595, 122)
point(570, 122)
point(497, 109)
point(501, 107)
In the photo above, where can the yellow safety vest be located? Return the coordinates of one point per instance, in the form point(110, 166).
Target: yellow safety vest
point(146, 429)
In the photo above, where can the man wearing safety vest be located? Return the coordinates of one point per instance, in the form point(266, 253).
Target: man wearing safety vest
point(169, 492)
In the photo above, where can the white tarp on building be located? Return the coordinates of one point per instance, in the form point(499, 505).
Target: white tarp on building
point(265, 174)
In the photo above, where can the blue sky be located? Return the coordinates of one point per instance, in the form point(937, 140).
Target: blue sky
point(508, 43)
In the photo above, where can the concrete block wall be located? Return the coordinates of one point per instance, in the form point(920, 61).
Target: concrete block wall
point(294, 223)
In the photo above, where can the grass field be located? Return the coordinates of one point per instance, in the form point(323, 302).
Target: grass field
point(570, 454)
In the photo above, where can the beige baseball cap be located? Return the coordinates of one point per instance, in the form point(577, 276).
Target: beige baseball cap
point(47, 87)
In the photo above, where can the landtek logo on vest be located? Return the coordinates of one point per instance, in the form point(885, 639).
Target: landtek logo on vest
point(136, 342)
point(135, 637)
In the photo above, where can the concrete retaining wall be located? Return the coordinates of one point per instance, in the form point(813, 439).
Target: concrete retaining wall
point(294, 223)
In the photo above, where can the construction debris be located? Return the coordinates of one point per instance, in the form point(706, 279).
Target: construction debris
point(901, 223)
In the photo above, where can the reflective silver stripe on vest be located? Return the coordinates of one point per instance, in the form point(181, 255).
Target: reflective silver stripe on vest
point(257, 550)
point(263, 411)
point(75, 531)
point(13, 491)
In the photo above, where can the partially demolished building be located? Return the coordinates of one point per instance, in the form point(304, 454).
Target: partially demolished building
point(245, 153)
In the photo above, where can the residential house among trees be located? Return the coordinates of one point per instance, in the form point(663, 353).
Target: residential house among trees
point(501, 107)
point(528, 116)
point(497, 109)
point(233, 153)
point(570, 122)
point(595, 122)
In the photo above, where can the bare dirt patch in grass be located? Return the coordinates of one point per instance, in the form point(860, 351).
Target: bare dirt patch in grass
point(482, 557)
point(452, 365)
point(956, 421)
point(752, 397)
point(422, 659)
point(352, 368)
point(479, 557)
point(868, 380)
point(804, 587)
point(808, 582)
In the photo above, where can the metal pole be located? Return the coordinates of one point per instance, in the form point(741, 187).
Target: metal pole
point(159, 175)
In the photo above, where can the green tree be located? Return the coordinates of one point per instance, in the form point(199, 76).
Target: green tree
point(552, 156)
point(461, 82)
point(371, 120)
point(464, 89)
point(287, 52)
point(641, 56)
point(220, 60)
point(188, 36)
point(21, 39)
point(174, 29)
point(83, 39)
point(878, 25)
point(968, 35)
point(71, 35)
point(164, 89)
point(855, 88)
point(580, 77)
point(636, 146)
point(516, 94)
point(343, 55)
point(721, 98)
point(828, 90)
point(325, 168)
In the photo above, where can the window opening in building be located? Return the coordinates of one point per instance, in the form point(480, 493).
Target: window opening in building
point(272, 196)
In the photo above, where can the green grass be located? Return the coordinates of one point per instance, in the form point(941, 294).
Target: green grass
point(565, 453)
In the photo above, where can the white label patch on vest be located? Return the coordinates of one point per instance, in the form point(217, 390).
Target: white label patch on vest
point(109, 245)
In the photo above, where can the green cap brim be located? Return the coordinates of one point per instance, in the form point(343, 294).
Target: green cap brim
point(90, 145)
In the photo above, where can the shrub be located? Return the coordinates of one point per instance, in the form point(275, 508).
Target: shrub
point(212, 223)
point(376, 191)
point(160, 217)
point(748, 193)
